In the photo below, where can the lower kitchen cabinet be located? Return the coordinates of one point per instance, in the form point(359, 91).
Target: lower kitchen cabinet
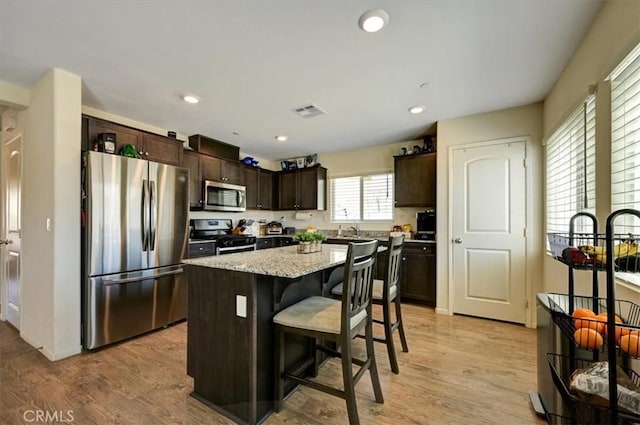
point(284, 241)
point(202, 249)
point(265, 243)
point(418, 282)
point(274, 242)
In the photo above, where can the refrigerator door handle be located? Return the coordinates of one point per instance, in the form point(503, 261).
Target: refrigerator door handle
point(139, 278)
point(145, 215)
point(154, 214)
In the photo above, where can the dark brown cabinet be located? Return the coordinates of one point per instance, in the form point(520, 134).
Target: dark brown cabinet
point(124, 135)
point(304, 189)
point(265, 243)
point(161, 149)
point(284, 241)
point(415, 180)
point(150, 146)
point(191, 160)
point(204, 167)
point(259, 183)
point(419, 273)
point(212, 168)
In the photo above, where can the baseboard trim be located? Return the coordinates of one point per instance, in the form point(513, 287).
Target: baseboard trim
point(442, 311)
point(50, 355)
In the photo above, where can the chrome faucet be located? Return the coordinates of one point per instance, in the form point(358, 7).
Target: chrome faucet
point(356, 228)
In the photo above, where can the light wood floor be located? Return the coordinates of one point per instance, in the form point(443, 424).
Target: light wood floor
point(459, 370)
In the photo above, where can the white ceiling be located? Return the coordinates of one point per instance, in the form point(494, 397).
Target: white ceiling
point(252, 61)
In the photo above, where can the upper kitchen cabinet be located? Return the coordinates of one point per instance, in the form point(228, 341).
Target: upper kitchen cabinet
point(212, 168)
point(124, 135)
point(150, 146)
point(259, 183)
point(303, 189)
point(161, 149)
point(415, 184)
point(191, 160)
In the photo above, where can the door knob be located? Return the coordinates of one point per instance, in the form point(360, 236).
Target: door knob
point(6, 242)
point(458, 240)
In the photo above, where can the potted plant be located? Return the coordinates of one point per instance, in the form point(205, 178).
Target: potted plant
point(318, 238)
point(304, 240)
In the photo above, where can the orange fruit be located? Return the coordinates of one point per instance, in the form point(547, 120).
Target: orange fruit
point(630, 344)
point(584, 318)
point(588, 338)
point(603, 317)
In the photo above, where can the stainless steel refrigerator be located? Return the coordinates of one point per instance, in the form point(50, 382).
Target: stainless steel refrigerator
point(134, 238)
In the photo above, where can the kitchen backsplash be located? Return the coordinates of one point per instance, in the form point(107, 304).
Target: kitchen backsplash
point(319, 219)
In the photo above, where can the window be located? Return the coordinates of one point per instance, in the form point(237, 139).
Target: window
point(361, 198)
point(625, 140)
point(570, 174)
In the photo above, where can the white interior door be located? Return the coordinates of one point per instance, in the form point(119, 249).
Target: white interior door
point(10, 241)
point(488, 231)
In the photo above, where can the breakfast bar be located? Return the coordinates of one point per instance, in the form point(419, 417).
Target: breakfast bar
point(232, 300)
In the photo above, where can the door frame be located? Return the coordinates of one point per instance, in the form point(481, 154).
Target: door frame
point(529, 240)
point(3, 283)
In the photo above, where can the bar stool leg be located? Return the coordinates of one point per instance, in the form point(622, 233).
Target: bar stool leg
point(347, 377)
point(403, 338)
point(373, 367)
point(388, 336)
point(279, 363)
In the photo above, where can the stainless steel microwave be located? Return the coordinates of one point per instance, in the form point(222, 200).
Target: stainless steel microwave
point(218, 196)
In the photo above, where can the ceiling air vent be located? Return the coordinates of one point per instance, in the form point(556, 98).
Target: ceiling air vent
point(308, 111)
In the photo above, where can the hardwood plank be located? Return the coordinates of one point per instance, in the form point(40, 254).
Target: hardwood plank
point(459, 370)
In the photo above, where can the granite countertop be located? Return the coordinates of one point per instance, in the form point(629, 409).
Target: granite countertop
point(279, 262)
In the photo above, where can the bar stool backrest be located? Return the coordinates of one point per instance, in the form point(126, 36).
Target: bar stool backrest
point(358, 280)
point(394, 254)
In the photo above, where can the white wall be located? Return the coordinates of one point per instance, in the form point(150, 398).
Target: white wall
point(613, 34)
point(50, 301)
point(525, 121)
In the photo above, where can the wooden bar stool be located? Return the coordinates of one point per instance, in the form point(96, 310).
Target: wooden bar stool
point(386, 292)
point(334, 320)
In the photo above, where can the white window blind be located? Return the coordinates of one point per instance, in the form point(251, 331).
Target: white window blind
point(362, 198)
point(625, 140)
point(570, 173)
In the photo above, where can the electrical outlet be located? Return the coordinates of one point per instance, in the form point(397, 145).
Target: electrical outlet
point(241, 306)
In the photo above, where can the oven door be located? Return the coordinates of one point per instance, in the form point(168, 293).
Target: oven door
point(224, 196)
point(221, 250)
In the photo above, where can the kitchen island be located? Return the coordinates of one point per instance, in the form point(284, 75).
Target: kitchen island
point(232, 300)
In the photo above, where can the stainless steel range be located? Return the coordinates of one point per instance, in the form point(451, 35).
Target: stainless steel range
point(221, 231)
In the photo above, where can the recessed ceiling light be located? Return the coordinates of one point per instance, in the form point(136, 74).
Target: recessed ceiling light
point(191, 98)
point(281, 138)
point(373, 20)
point(417, 109)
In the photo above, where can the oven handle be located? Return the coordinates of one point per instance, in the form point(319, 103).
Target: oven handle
point(229, 249)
